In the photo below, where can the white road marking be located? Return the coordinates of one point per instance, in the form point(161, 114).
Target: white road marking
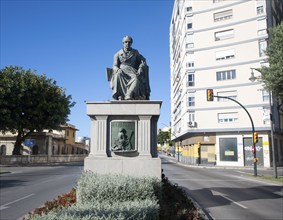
point(208, 180)
point(279, 193)
point(5, 206)
point(215, 193)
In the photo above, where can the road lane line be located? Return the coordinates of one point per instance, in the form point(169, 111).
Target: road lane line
point(5, 206)
point(278, 193)
point(206, 180)
point(231, 200)
point(216, 193)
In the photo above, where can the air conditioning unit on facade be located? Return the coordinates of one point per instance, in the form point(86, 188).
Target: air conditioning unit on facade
point(192, 124)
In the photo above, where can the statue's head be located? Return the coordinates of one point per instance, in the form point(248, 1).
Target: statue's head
point(127, 38)
point(123, 130)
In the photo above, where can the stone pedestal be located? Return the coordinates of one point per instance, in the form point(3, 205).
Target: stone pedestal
point(112, 121)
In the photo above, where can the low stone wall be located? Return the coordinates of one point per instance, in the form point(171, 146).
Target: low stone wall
point(41, 159)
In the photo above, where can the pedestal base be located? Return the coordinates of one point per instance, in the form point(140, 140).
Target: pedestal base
point(139, 167)
point(124, 138)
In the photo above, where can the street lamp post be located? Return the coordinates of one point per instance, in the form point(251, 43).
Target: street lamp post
point(253, 78)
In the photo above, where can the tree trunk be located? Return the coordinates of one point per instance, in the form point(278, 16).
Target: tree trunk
point(18, 145)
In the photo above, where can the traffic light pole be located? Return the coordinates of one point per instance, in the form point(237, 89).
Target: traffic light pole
point(253, 130)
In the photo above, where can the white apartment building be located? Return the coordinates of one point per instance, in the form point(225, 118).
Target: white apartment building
point(213, 45)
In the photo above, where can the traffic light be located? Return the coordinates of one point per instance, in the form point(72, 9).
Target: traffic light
point(209, 95)
point(255, 137)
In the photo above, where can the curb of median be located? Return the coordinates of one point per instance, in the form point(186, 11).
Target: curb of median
point(203, 212)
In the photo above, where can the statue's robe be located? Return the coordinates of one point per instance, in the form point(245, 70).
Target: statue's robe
point(132, 81)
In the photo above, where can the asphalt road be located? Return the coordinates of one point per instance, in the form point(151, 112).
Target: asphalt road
point(27, 188)
point(221, 193)
point(228, 193)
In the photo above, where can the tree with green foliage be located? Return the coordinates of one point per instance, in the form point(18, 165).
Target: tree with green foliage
point(272, 76)
point(164, 136)
point(29, 103)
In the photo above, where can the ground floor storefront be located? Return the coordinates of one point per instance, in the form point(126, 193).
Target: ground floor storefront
point(222, 149)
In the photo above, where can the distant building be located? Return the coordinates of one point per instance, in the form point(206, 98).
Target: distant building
point(85, 141)
point(47, 142)
point(213, 45)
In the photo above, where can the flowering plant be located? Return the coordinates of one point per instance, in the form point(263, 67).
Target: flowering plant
point(60, 202)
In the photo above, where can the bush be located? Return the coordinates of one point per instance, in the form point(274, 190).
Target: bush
point(92, 187)
point(130, 210)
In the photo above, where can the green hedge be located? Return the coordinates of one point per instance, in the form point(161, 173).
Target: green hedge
point(116, 188)
point(130, 210)
point(105, 197)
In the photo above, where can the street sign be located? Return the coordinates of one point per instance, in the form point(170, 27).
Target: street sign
point(29, 142)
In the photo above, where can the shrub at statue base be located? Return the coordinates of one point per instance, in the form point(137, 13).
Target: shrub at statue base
point(93, 187)
point(110, 197)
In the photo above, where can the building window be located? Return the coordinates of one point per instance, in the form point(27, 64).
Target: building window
point(177, 111)
point(228, 149)
point(189, 45)
point(190, 64)
point(190, 60)
point(223, 15)
point(189, 22)
point(191, 99)
point(228, 117)
point(262, 32)
point(3, 150)
point(191, 80)
point(189, 41)
point(177, 127)
point(230, 94)
point(190, 8)
point(261, 27)
point(67, 132)
point(225, 75)
point(222, 35)
point(259, 10)
point(265, 95)
point(225, 55)
point(266, 115)
point(262, 48)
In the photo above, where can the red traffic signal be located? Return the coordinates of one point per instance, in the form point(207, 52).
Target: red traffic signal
point(209, 95)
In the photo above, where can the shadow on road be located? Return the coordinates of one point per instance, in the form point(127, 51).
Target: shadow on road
point(217, 196)
point(10, 183)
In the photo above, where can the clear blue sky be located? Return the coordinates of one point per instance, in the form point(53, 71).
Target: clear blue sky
point(73, 42)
